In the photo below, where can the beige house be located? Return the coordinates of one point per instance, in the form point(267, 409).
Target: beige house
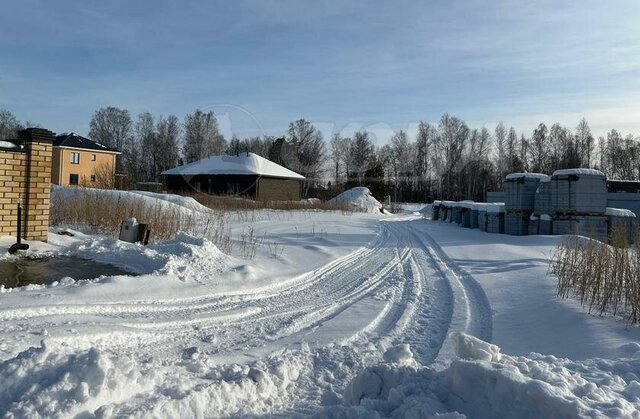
point(79, 161)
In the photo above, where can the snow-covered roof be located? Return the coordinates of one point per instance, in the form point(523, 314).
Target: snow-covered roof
point(539, 176)
point(591, 172)
point(242, 164)
point(620, 212)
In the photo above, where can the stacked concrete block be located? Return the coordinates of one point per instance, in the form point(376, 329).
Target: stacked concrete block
point(520, 197)
point(592, 226)
point(474, 214)
point(456, 213)
point(495, 218)
point(465, 210)
point(516, 223)
point(534, 225)
point(578, 192)
point(621, 221)
point(435, 210)
point(545, 225)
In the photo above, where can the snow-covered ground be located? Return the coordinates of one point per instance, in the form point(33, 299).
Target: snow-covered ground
point(338, 315)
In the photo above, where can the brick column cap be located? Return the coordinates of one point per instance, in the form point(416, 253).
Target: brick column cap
point(36, 134)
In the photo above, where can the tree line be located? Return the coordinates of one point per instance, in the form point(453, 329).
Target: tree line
point(445, 160)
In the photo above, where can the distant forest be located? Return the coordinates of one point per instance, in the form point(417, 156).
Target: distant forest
point(447, 160)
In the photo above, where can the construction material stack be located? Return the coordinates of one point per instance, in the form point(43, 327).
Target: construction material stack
point(579, 203)
point(435, 210)
point(465, 211)
point(475, 223)
point(540, 220)
point(495, 214)
point(520, 192)
point(621, 221)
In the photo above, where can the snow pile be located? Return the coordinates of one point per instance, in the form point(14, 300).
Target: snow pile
point(619, 212)
point(183, 201)
point(45, 382)
point(185, 256)
point(359, 198)
point(481, 382)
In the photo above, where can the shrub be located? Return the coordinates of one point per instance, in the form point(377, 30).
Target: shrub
point(604, 277)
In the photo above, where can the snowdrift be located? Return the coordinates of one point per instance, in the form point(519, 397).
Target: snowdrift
point(481, 382)
point(359, 198)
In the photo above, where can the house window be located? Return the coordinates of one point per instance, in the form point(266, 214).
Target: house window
point(93, 157)
point(93, 178)
point(73, 179)
point(75, 158)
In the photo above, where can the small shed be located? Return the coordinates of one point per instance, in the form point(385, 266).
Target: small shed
point(246, 174)
point(520, 190)
point(621, 221)
point(578, 191)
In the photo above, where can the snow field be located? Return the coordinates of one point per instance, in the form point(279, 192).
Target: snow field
point(360, 315)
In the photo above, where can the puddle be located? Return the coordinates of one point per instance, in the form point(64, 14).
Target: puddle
point(24, 271)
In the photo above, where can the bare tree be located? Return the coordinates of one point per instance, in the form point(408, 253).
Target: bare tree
point(113, 127)
point(202, 137)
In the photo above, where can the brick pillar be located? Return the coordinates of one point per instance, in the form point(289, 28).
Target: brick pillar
point(37, 192)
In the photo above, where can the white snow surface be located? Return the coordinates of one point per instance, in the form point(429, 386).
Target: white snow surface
point(360, 198)
point(589, 172)
point(8, 144)
point(538, 176)
point(242, 164)
point(620, 212)
point(545, 217)
point(338, 315)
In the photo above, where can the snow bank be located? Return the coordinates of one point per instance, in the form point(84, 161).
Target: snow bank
point(589, 172)
point(619, 212)
point(359, 198)
point(183, 201)
point(481, 382)
point(539, 176)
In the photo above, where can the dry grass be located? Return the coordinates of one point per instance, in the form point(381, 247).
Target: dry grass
point(103, 213)
point(605, 278)
point(228, 203)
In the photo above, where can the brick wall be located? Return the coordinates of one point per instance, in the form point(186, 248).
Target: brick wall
point(271, 189)
point(25, 173)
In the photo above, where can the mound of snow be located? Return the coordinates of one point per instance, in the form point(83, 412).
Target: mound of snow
point(359, 198)
point(481, 382)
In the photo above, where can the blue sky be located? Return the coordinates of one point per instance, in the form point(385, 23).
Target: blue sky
point(344, 65)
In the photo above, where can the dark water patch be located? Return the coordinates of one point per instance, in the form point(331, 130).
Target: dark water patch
point(23, 271)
